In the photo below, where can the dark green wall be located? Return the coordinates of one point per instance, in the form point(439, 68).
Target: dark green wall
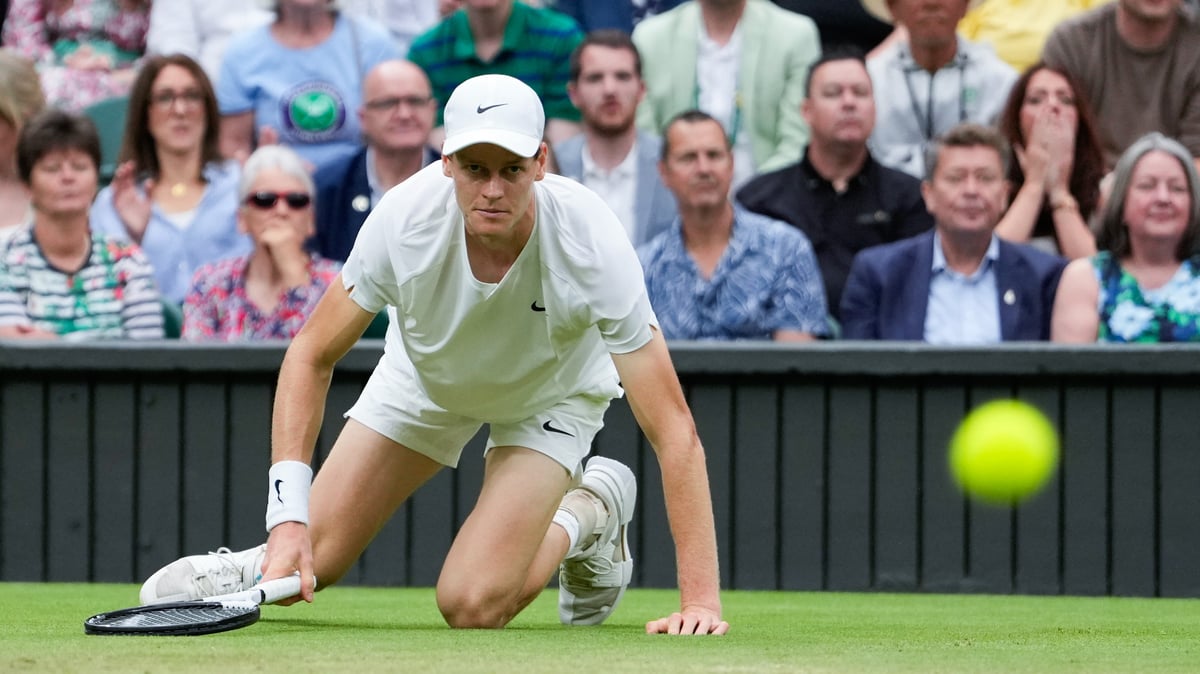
point(827, 464)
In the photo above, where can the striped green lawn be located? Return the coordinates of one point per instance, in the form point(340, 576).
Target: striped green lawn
point(361, 630)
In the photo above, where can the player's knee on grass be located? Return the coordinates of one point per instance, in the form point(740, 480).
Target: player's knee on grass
point(475, 607)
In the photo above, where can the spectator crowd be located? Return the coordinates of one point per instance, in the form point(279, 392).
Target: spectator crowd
point(946, 171)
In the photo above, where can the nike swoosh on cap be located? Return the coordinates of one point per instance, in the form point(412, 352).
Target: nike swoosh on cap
point(484, 108)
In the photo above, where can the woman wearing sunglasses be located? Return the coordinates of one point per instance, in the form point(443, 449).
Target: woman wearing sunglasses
point(269, 293)
point(172, 193)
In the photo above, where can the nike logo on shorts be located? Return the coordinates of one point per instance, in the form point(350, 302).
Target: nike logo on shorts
point(547, 427)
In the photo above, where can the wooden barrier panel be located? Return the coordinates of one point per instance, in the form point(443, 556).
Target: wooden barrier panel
point(827, 466)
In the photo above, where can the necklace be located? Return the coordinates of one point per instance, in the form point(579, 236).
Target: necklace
point(179, 189)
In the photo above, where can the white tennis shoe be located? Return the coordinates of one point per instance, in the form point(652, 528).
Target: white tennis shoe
point(200, 576)
point(592, 581)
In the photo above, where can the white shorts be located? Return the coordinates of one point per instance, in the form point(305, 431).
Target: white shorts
point(394, 405)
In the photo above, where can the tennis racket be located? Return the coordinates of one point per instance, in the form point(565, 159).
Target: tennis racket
point(193, 618)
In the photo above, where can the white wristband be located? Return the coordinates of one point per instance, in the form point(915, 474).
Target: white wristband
point(287, 493)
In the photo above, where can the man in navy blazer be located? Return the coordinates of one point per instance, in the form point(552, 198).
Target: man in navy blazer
point(958, 284)
point(611, 157)
point(396, 117)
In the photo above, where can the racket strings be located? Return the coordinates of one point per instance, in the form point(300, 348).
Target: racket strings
point(177, 616)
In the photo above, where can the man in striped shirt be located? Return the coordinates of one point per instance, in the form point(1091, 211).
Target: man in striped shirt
point(112, 296)
point(57, 279)
point(508, 38)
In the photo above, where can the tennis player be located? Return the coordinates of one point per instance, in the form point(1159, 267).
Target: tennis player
point(516, 300)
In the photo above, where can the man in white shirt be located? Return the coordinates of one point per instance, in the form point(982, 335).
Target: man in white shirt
point(930, 81)
point(201, 28)
point(522, 307)
point(612, 157)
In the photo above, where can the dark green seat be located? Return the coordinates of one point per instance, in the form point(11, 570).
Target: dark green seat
point(109, 117)
point(378, 327)
point(172, 319)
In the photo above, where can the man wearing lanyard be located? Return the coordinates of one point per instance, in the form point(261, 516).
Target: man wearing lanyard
point(931, 80)
point(741, 61)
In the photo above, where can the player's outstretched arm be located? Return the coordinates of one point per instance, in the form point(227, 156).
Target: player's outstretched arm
point(335, 325)
point(657, 401)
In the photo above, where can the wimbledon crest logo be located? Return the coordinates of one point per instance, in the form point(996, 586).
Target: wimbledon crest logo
point(313, 112)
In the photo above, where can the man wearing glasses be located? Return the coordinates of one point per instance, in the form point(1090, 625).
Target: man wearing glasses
point(396, 117)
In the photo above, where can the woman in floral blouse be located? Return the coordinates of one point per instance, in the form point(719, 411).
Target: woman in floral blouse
point(85, 50)
point(269, 293)
point(1144, 284)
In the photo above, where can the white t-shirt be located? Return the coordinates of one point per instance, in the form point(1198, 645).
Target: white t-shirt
point(501, 352)
point(718, 74)
point(618, 187)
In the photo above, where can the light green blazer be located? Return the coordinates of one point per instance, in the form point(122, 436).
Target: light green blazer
point(778, 47)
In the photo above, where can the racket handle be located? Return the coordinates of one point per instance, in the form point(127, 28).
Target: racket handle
point(280, 588)
point(267, 592)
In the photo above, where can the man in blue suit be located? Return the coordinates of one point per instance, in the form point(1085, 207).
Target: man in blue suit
point(959, 284)
point(612, 157)
point(396, 118)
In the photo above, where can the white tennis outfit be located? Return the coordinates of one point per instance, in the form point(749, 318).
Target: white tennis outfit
point(529, 355)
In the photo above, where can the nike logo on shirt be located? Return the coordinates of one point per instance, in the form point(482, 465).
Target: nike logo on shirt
point(535, 306)
point(546, 426)
point(484, 108)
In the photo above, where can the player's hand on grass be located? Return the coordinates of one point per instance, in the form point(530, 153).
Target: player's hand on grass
point(289, 550)
point(691, 620)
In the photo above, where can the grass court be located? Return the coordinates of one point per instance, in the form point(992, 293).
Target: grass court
point(363, 630)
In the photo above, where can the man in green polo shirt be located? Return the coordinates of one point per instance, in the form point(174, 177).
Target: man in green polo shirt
point(510, 38)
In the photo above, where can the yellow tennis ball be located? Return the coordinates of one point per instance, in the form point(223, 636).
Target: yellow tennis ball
point(1003, 452)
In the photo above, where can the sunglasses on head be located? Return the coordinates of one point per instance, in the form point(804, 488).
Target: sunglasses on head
point(265, 200)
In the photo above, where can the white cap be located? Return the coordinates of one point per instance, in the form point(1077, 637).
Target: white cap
point(495, 109)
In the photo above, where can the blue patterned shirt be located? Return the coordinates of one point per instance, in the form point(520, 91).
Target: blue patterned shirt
point(766, 280)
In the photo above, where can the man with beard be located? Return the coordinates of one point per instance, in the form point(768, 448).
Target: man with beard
point(838, 195)
point(612, 157)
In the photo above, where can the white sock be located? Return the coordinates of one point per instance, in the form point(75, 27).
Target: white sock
point(577, 516)
point(564, 519)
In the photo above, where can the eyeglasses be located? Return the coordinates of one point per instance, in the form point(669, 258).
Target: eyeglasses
point(166, 99)
point(412, 102)
point(265, 200)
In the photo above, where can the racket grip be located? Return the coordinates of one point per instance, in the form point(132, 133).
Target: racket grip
point(280, 588)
